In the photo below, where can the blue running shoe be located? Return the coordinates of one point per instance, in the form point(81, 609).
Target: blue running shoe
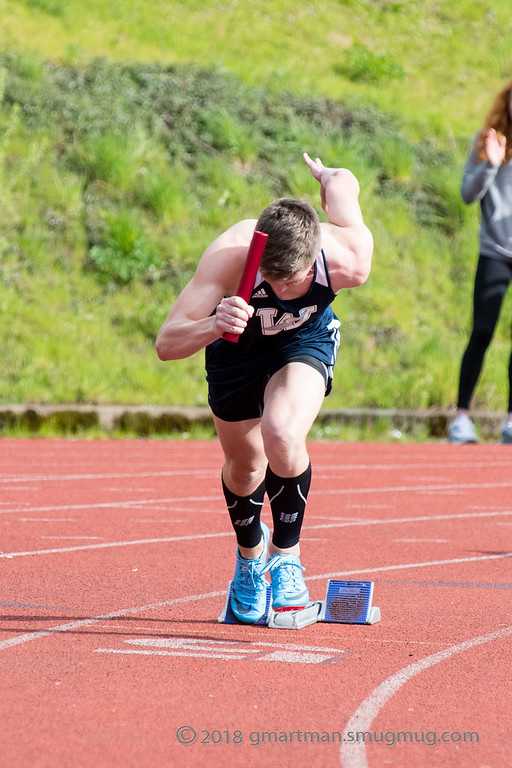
point(249, 593)
point(289, 591)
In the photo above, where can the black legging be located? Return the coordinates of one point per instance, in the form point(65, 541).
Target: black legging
point(491, 283)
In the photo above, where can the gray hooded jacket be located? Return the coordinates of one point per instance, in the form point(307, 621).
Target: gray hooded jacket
point(492, 186)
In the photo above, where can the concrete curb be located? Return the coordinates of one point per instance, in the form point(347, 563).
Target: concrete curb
point(147, 420)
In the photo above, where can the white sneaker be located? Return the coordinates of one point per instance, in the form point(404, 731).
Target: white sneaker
point(462, 430)
point(506, 433)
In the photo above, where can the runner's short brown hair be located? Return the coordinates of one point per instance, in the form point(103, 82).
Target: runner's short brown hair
point(293, 243)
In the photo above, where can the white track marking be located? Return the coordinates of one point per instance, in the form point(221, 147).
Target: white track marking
point(108, 476)
point(23, 490)
point(189, 654)
point(206, 643)
point(405, 566)
point(307, 530)
point(6, 604)
point(368, 506)
point(168, 520)
point(488, 507)
point(401, 520)
point(414, 488)
point(353, 754)
point(112, 504)
point(74, 625)
point(229, 649)
point(62, 538)
point(109, 545)
point(46, 520)
point(213, 472)
point(129, 504)
point(291, 657)
point(422, 541)
point(426, 465)
point(217, 498)
point(313, 516)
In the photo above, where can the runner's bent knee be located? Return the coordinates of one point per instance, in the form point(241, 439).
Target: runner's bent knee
point(243, 474)
point(285, 446)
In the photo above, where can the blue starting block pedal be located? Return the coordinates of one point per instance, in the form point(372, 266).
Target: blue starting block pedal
point(349, 602)
point(346, 602)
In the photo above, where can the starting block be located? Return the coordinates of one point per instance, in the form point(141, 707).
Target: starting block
point(346, 602)
point(349, 602)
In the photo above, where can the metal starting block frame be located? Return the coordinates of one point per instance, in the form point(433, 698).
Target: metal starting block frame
point(349, 602)
point(346, 602)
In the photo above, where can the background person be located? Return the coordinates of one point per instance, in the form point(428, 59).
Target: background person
point(488, 178)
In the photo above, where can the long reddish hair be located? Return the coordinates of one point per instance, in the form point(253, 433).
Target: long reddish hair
point(500, 119)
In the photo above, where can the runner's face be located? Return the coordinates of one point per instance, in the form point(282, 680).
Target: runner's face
point(293, 287)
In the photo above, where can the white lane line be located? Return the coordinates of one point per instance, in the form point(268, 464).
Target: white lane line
point(422, 465)
point(167, 520)
point(405, 566)
point(109, 476)
point(22, 489)
point(422, 541)
point(419, 519)
point(345, 519)
point(109, 545)
point(488, 507)
point(353, 753)
point(307, 530)
point(217, 498)
point(372, 506)
point(74, 625)
point(111, 504)
point(63, 538)
point(415, 488)
point(229, 649)
point(208, 471)
point(46, 520)
point(290, 657)
point(188, 654)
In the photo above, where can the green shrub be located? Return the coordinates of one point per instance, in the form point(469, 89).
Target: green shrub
point(364, 65)
point(128, 254)
point(115, 177)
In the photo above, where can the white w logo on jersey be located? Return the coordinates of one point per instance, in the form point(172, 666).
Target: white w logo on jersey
point(286, 322)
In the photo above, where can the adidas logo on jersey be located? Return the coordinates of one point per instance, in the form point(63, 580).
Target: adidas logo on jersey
point(261, 294)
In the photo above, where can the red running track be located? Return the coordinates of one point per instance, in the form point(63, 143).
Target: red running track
point(114, 565)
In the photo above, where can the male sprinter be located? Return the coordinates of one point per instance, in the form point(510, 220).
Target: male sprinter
point(266, 390)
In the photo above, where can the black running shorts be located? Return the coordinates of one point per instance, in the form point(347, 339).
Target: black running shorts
point(242, 397)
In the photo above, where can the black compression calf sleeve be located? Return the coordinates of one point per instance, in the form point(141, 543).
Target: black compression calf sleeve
point(288, 497)
point(245, 512)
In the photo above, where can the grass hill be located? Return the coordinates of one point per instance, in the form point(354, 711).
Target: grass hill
point(132, 133)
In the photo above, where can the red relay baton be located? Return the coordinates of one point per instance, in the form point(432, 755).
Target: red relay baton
point(256, 248)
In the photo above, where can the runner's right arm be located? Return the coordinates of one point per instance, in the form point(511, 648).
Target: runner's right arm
point(190, 325)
